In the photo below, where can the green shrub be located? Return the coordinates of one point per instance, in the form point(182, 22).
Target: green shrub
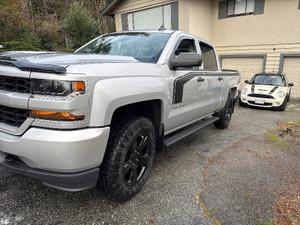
point(79, 26)
point(19, 46)
point(28, 37)
point(48, 29)
point(69, 50)
point(261, 222)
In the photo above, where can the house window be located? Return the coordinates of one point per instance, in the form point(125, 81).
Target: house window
point(153, 18)
point(240, 7)
point(150, 18)
point(233, 8)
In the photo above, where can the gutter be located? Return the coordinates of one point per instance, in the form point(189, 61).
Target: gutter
point(110, 7)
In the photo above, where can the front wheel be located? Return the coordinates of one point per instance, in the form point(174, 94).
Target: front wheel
point(128, 160)
point(226, 113)
point(283, 106)
point(242, 104)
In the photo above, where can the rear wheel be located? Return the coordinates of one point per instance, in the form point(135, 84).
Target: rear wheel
point(226, 113)
point(128, 161)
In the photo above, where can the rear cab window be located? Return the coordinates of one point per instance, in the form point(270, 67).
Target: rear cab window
point(209, 60)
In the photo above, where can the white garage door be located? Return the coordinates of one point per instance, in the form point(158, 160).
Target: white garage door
point(291, 68)
point(246, 66)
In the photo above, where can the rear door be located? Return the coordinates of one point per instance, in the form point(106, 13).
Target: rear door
point(214, 79)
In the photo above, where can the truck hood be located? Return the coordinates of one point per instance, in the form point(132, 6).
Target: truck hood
point(55, 61)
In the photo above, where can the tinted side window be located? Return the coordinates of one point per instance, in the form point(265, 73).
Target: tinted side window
point(209, 57)
point(186, 45)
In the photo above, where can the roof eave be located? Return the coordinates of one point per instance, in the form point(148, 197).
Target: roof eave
point(107, 11)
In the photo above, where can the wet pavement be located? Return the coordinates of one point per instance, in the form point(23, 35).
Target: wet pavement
point(182, 187)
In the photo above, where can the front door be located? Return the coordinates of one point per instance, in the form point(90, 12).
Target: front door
point(186, 86)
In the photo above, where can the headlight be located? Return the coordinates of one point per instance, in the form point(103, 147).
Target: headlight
point(56, 87)
point(244, 91)
point(280, 94)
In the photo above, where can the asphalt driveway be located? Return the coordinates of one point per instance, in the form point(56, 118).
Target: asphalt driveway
point(197, 181)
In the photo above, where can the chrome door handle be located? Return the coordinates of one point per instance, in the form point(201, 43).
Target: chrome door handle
point(220, 78)
point(200, 79)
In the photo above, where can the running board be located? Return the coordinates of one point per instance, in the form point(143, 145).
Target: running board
point(171, 139)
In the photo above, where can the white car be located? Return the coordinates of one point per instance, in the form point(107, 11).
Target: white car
point(266, 90)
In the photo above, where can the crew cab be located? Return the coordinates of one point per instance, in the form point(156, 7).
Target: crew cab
point(98, 116)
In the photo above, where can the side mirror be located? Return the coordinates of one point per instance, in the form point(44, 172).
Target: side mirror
point(247, 81)
point(185, 59)
point(291, 84)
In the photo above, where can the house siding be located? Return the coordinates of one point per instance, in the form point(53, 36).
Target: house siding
point(135, 5)
point(273, 33)
point(278, 24)
point(196, 17)
point(273, 52)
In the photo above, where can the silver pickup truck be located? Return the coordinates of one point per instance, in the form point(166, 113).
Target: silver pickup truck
point(98, 116)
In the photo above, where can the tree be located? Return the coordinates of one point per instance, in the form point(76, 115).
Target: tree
point(15, 32)
point(79, 26)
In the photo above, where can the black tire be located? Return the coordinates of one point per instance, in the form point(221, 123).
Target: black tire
point(226, 113)
point(128, 160)
point(242, 103)
point(283, 105)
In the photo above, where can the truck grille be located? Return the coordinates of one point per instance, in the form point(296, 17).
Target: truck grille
point(15, 84)
point(13, 116)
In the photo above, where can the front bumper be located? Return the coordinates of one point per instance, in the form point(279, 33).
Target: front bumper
point(67, 160)
point(268, 103)
point(63, 181)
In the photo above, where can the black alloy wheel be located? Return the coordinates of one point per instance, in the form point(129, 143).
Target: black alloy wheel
point(229, 110)
point(137, 159)
point(128, 158)
point(226, 113)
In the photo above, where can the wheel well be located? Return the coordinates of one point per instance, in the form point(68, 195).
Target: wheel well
point(233, 91)
point(149, 109)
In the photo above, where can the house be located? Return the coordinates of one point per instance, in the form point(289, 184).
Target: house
point(251, 36)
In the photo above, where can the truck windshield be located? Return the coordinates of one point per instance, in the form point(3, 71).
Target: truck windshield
point(145, 47)
point(264, 79)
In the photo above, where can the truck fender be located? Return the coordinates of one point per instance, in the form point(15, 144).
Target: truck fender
point(111, 94)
